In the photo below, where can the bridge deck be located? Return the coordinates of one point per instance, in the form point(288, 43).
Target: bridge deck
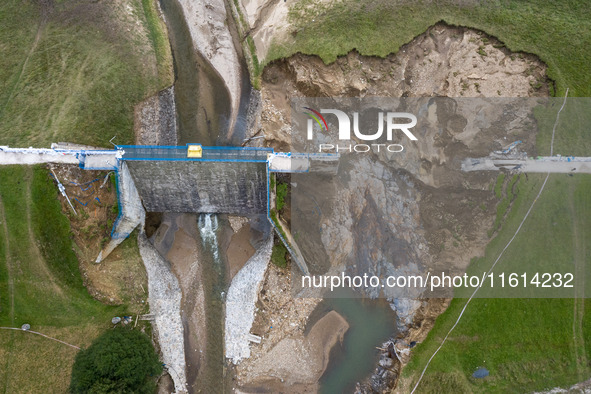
point(210, 153)
point(542, 164)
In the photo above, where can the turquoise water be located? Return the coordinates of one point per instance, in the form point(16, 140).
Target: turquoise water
point(371, 322)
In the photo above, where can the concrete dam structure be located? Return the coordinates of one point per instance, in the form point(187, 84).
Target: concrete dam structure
point(180, 186)
point(223, 180)
point(201, 187)
point(192, 178)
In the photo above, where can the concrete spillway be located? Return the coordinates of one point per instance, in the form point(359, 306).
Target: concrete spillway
point(202, 187)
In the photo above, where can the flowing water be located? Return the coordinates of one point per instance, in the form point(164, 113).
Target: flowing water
point(214, 283)
point(203, 114)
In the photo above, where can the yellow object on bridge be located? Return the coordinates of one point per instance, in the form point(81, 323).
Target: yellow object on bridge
point(195, 151)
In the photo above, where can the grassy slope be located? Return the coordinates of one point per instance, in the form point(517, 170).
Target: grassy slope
point(159, 38)
point(47, 292)
point(73, 79)
point(70, 80)
point(557, 31)
point(527, 344)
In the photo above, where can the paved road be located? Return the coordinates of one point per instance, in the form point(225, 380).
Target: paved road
point(544, 164)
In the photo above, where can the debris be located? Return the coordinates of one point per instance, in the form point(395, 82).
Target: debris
point(62, 190)
point(480, 373)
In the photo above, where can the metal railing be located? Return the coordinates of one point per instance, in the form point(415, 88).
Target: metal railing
point(210, 153)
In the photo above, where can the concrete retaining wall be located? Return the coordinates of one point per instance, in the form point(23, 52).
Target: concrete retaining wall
point(131, 211)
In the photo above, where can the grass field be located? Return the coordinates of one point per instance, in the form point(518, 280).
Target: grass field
point(73, 72)
point(40, 284)
point(69, 71)
point(526, 343)
point(559, 32)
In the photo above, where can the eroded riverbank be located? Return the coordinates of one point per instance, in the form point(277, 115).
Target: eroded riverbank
point(435, 213)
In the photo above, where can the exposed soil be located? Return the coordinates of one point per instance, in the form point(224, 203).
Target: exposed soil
point(155, 120)
point(239, 250)
point(443, 61)
point(121, 278)
point(177, 239)
point(281, 321)
point(449, 212)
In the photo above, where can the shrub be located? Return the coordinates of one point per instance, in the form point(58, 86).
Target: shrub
point(121, 360)
point(278, 255)
point(281, 193)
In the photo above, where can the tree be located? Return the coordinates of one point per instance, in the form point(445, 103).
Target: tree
point(121, 360)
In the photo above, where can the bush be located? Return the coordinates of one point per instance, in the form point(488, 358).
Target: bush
point(281, 193)
point(121, 360)
point(278, 255)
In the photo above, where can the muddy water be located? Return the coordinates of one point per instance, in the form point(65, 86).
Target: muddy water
point(202, 100)
point(203, 109)
point(371, 322)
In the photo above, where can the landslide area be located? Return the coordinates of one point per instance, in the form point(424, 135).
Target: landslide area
point(432, 212)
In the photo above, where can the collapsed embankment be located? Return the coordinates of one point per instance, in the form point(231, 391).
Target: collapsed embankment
point(442, 215)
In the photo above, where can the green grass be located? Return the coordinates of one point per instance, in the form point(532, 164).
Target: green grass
point(159, 38)
point(255, 67)
point(76, 77)
point(48, 288)
point(278, 224)
point(499, 185)
point(79, 81)
point(40, 284)
point(559, 32)
point(506, 199)
point(281, 194)
point(278, 255)
point(514, 340)
point(527, 343)
point(52, 229)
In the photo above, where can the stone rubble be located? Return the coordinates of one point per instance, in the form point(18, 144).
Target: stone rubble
point(241, 302)
point(165, 301)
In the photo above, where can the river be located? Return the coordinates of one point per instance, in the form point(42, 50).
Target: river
point(203, 114)
point(203, 109)
point(371, 322)
point(202, 100)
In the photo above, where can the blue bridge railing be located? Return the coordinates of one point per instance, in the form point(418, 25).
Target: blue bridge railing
point(210, 153)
